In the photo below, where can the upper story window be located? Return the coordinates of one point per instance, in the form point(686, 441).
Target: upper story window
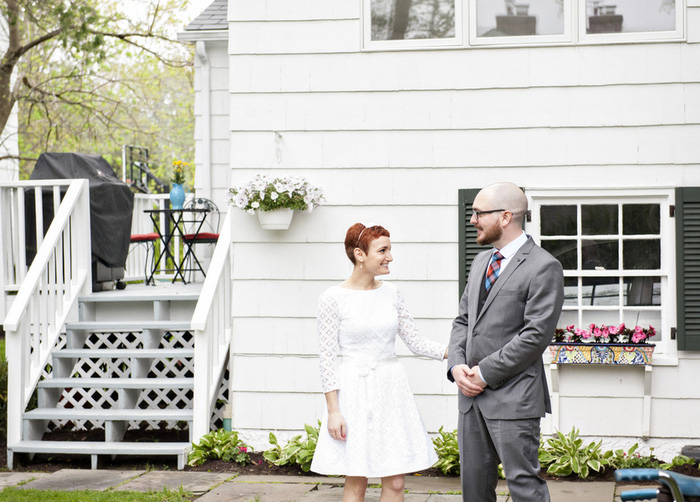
point(413, 22)
point(426, 23)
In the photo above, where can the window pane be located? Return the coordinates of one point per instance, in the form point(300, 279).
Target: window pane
point(639, 219)
point(564, 251)
point(567, 318)
point(599, 317)
point(599, 220)
point(412, 19)
point(642, 290)
point(570, 290)
point(599, 254)
point(601, 291)
point(558, 220)
point(630, 16)
point(643, 318)
point(508, 18)
point(641, 254)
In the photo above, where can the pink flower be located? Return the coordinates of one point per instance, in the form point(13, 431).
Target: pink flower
point(638, 329)
point(591, 326)
point(597, 332)
point(613, 330)
point(638, 337)
point(605, 331)
point(585, 334)
point(570, 327)
point(243, 449)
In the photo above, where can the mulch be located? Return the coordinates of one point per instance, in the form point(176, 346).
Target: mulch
point(259, 466)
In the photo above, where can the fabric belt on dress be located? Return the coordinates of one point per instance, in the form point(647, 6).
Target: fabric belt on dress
point(365, 369)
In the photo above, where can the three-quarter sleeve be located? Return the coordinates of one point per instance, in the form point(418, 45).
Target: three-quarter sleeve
point(327, 325)
point(410, 336)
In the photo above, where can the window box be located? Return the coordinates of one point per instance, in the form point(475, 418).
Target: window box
point(601, 353)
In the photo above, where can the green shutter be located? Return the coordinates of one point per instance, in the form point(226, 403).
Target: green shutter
point(468, 248)
point(688, 267)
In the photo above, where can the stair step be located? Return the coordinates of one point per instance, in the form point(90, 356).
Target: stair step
point(118, 383)
point(107, 414)
point(123, 326)
point(100, 447)
point(117, 353)
point(148, 295)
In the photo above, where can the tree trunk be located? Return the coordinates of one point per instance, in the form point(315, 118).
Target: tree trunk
point(401, 10)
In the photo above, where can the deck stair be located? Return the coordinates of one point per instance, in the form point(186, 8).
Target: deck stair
point(127, 363)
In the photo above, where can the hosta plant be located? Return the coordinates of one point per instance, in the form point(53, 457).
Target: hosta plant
point(447, 451)
point(565, 454)
point(221, 444)
point(297, 450)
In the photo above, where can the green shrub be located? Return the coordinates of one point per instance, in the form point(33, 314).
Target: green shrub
point(564, 455)
point(297, 451)
point(221, 444)
point(632, 459)
point(447, 450)
point(678, 461)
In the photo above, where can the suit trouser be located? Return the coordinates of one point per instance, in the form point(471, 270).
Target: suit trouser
point(483, 441)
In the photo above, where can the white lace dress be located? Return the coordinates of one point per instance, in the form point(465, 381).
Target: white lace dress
point(385, 434)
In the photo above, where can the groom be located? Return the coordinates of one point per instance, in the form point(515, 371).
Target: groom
point(506, 319)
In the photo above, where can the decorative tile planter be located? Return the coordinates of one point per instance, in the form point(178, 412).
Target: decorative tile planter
point(601, 353)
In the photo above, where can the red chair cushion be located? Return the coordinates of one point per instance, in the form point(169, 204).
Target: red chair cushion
point(144, 237)
point(202, 236)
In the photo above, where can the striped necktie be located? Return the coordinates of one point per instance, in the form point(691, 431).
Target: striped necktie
point(494, 270)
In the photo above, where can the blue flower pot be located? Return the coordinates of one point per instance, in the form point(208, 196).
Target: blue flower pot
point(177, 196)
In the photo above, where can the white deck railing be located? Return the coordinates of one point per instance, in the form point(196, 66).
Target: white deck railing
point(211, 323)
point(48, 292)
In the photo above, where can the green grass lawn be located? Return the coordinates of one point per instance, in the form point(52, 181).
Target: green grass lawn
point(15, 495)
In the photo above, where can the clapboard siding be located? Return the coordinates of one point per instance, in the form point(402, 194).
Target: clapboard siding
point(460, 69)
point(506, 147)
point(327, 261)
point(298, 10)
point(556, 107)
point(391, 136)
point(292, 37)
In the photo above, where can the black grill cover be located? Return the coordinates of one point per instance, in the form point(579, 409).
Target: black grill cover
point(111, 201)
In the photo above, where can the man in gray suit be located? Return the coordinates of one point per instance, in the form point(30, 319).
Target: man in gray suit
point(507, 316)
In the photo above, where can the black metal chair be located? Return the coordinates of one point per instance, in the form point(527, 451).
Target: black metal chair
point(200, 232)
point(148, 240)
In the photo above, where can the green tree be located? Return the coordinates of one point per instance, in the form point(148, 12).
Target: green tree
point(92, 75)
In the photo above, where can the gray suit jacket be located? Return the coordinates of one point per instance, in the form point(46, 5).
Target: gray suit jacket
point(507, 338)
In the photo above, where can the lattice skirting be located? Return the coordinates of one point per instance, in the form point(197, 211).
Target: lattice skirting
point(121, 368)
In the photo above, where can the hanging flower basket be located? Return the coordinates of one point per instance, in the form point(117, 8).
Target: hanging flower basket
point(275, 199)
point(279, 219)
point(601, 353)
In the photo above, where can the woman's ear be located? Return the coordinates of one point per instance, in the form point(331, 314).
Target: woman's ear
point(359, 254)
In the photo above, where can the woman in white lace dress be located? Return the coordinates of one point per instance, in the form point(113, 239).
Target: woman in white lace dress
point(372, 427)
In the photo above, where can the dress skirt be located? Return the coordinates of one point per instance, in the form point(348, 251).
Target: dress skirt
point(385, 433)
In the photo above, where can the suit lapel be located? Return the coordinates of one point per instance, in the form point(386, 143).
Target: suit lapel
point(515, 262)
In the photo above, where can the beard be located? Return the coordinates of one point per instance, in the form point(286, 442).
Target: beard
point(489, 236)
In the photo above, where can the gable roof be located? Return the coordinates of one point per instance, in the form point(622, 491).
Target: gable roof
point(212, 18)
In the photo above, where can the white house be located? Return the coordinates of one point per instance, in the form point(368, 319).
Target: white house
point(399, 109)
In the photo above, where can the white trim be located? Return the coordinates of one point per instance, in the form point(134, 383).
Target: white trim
point(203, 35)
point(425, 43)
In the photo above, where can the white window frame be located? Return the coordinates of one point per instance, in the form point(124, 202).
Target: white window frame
point(665, 352)
point(642, 36)
point(565, 37)
point(422, 43)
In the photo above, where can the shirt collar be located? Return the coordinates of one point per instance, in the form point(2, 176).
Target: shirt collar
point(513, 246)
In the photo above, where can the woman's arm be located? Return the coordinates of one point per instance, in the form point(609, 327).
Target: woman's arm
point(336, 422)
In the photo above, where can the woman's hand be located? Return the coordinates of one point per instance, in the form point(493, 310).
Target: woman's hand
point(336, 426)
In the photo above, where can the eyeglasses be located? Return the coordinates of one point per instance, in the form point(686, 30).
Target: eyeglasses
point(478, 214)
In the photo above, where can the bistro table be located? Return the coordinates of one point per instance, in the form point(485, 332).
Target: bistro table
point(169, 223)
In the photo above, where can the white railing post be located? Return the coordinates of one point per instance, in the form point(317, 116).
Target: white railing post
point(211, 323)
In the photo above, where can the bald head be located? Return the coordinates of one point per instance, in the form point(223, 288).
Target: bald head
point(507, 196)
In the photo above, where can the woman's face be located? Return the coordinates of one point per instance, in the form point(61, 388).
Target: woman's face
point(378, 256)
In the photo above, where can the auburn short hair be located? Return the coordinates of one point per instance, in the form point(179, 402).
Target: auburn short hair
point(359, 236)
